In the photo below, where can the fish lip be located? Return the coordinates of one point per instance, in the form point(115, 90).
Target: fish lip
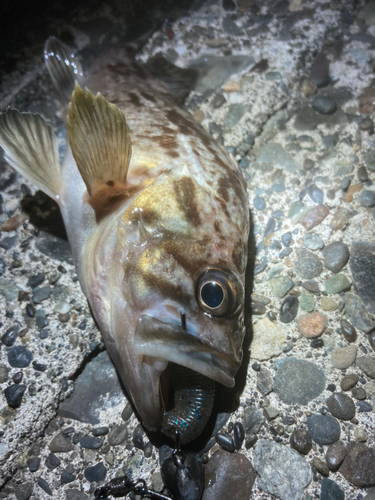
point(165, 341)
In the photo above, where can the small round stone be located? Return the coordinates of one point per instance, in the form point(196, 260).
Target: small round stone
point(348, 331)
point(286, 239)
point(238, 435)
point(96, 473)
point(127, 412)
point(289, 309)
point(336, 256)
point(19, 357)
point(91, 442)
point(307, 301)
point(329, 304)
point(324, 105)
point(367, 365)
point(307, 265)
point(341, 406)
point(323, 429)
point(349, 381)
point(315, 193)
point(359, 393)
point(320, 466)
point(301, 441)
point(343, 357)
point(259, 203)
point(225, 442)
point(17, 377)
point(34, 464)
point(360, 434)
point(337, 284)
point(366, 124)
point(315, 216)
point(367, 198)
point(371, 339)
point(362, 174)
point(331, 490)
point(308, 164)
point(335, 455)
point(313, 241)
point(358, 466)
point(10, 336)
point(14, 394)
point(312, 325)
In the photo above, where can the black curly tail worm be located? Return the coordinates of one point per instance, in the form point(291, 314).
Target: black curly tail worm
point(194, 396)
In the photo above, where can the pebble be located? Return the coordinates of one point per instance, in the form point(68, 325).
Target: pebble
point(324, 105)
point(311, 286)
point(362, 174)
point(366, 124)
point(289, 309)
point(363, 406)
point(337, 284)
point(349, 381)
point(348, 331)
point(307, 301)
point(371, 339)
point(358, 466)
point(127, 412)
point(343, 357)
point(228, 475)
point(274, 155)
point(41, 294)
point(307, 265)
point(312, 325)
point(252, 420)
point(320, 466)
point(356, 311)
point(233, 116)
point(259, 203)
point(336, 256)
point(238, 435)
point(306, 119)
point(225, 441)
point(315, 216)
point(313, 241)
point(360, 434)
point(283, 473)
point(335, 455)
point(10, 336)
point(60, 444)
point(91, 442)
point(329, 304)
point(367, 365)
point(323, 429)
point(362, 267)
point(319, 71)
point(281, 286)
point(14, 394)
point(341, 406)
point(118, 435)
point(2, 266)
point(340, 219)
point(52, 461)
point(264, 381)
point(100, 431)
point(36, 280)
point(96, 473)
point(301, 441)
point(298, 381)
point(75, 494)
point(329, 490)
point(19, 357)
point(268, 339)
point(367, 198)
point(44, 486)
point(34, 464)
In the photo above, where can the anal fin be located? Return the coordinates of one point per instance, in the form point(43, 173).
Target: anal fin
point(63, 67)
point(30, 148)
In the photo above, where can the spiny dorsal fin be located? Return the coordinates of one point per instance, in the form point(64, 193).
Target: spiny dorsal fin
point(63, 67)
point(101, 146)
point(30, 147)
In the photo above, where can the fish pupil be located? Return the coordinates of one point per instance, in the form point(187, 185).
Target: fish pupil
point(212, 294)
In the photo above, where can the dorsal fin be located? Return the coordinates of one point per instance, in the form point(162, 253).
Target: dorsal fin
point(63, 67)
point(101, 146)
point(30, 147)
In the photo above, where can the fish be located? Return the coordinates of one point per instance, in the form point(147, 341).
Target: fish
point(157, 217)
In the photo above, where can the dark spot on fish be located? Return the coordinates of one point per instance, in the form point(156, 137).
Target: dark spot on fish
point(107, 200)
point(186, 198)
point(134, 99)
point(148, 96)
point(217, 226)
point(185, 127)
point(238, 256)
point(169, 143)
point(110, 183)
point(222, 189)
point(179, 250)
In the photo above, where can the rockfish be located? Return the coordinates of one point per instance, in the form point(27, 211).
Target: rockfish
point(158, 221)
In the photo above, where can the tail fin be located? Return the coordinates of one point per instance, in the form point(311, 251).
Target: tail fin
point(63, 67)
point(30, 147)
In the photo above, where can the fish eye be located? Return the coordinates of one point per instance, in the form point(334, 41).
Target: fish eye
point(218, 292)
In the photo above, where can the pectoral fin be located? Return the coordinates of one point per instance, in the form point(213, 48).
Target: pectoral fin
point(30, 147)
point(100, 141)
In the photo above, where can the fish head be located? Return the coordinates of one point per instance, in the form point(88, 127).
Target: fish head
point(179, 289)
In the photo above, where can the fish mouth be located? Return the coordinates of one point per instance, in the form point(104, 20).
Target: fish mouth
point(167, 342)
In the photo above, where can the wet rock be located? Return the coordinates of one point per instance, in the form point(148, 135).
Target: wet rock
point(315, 216)
point(75, 494)
point(268, 340)
point(274, 155)
point(319, 71)
point(313, 241)
point(323, 429)
point(311, 286)
point(301, 441)
point(349, 381)
point(307, 302)
point(340, 219)
point(289, 309)
point(329, 304)
point(36, 280)
point(238, 435)
point(320, 466)
point(343, 357)
point(52, 461)
point(362, 267)
point(234, 115)
point(281, 286)
point(367, 365)
point(348, 331)
point(282, 472)
point(358, 466)
point(324, 105)
point(97, 383)
point(41, 294)
point(335, 455)
point(312, 325)
point(331, 490)
point(42, 483)
point(24, 491)
point(228, 475)
point(359, 393)
point(10, 336)
point(341, 406)
point(230, 27)
point(118, 435)
point(225, 441)
point(60, 444)
point(298, 381)
point(362, 174)
point(19, 357)
point(356, 311)
point(336, 256)
point(96, 473)
point(14, 394)
point(306, 119)
point(91, 443)
point(363, 406)
point(337, 284)
point(307, 265)
point(252, 420)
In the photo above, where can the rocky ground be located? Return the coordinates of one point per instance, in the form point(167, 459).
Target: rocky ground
point(289, 89)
